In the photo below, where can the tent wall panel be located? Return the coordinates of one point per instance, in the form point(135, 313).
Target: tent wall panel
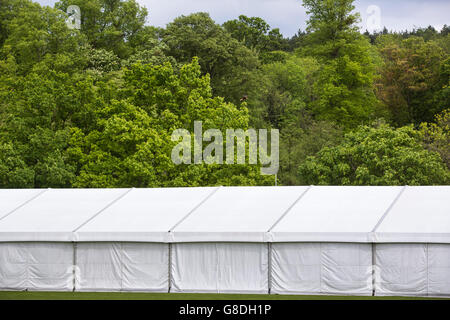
point(36, 266)
point(401, 269)
point(296, 268)
point(439, 269)
point(321, 268)
point(122, 267)
point(413, 269)
point(99, 267)
point(220, 267)
point(347, 268)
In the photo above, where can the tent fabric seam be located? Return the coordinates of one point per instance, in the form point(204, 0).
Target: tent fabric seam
point(389, 209)
point(23, 204)
point(289, 209)
point(194, 209)
point(102, 210)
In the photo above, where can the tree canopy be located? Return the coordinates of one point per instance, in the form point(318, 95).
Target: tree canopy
point(96, 107)
point(376, 156)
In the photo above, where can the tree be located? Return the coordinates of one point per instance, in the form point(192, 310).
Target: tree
point(34, 34)
point(37, 112)
point(436, 136)
point(288, 90)
point(110, 24)
point(96, 107)
point(414, 79)
point(297, 41)
point(129, 143)
point(256, 34)
point(376, 156)
point(153, 52)
point(330, 22)
point(231, 66)
point(14, 173)
point(428, 33)
point(344, 88)
point(302, 139)
point(286, 95)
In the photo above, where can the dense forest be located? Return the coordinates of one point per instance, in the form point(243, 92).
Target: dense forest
point(96, 107)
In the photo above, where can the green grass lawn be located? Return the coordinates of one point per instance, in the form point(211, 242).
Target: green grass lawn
point(22, 295)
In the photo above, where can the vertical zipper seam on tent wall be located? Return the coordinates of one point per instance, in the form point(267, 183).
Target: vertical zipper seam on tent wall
point(23, 204)
point(27, 261)
point(373, 268)
point(269, 267)
point(28, 282)
point(217, 268)
point(74, 267)
point(428, 275)
point(169, 270)
point(121, 265)
point(320, 267)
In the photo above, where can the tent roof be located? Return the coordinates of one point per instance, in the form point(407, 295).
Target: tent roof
point(55, 214)
point(231, 214)
point(335, 214)
point(11, 199)
point(237, 214)
point(421, 214)
point(143, 215)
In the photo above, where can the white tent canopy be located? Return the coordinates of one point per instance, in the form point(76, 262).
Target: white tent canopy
point(343, 214)
point(230, 214)
point(237, 214)
point(421, 214)
point(55, 214)
point(10, 200)
point(143, 215)
point(306, 240)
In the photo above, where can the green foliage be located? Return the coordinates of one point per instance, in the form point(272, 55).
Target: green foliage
point(414, 79)
point(288, 89)
point(109, 24)
point(154, 52)
point(256, 34)
point(344, 87)
point(273, 56)
point(96, 107)
point(36, 112)
point(14, 173)
point(436, 136)
point(130, 142)
point(34, 34)
point(376, 156)
point(302, 139)
point(231, 66)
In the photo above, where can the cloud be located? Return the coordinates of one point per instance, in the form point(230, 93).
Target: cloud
point(290, 15)
point(408, 14)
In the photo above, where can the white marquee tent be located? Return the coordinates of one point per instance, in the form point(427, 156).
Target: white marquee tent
point(281, 240)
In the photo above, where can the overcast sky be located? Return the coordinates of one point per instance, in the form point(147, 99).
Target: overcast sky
point(289, 15)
